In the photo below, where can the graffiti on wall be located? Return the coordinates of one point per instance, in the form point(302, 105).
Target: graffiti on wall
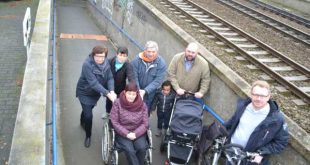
point(141, 17)
point(108, 6)
point(129, 10)
point(121, 3)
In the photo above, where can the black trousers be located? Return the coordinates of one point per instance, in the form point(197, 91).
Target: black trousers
point(163, 119)
point(108, 105)
point(87, 118)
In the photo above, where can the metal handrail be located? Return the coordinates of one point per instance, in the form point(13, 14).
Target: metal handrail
point(54, 108)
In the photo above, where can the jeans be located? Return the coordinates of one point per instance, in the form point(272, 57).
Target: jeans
point(135, 150)
point(87, 118)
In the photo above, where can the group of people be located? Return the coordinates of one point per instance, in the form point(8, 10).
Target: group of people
point(135, 89)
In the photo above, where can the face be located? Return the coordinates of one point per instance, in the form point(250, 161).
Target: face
point(121, 57)
point(259, 97)
point(166, 90)
point(131, 96)
point(190, 53)
point(99, 58)
point(150, 52)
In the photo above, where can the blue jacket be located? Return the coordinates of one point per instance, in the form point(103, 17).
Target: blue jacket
point(95, 81)
point(149, 76)
point(269, 137)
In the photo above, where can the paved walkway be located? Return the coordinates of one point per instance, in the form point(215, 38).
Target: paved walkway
point(12, 64)
point(73, 18)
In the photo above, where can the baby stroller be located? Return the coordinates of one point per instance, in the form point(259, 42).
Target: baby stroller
point(184, 131)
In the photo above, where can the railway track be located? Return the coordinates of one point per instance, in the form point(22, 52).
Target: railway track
point(279, 26)
point(283, 13)
point(285, 71)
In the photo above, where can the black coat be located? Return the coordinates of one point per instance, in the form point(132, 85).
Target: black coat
point(163, 103)
point(120, 76)
point(95, 81)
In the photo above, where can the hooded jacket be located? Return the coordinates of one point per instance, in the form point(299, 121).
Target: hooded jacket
point(96, 80)
point(269, 137)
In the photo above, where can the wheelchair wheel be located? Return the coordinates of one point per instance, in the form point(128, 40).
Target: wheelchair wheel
point(148, 156)
point(114, 158)
point(105, 143)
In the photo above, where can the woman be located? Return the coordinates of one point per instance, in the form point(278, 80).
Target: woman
point(129, 117)
point(121, 71)
point(96, 80)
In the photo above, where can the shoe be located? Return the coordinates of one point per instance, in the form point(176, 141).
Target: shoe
point(158, 133)
point(87, 142)
point(105, 115)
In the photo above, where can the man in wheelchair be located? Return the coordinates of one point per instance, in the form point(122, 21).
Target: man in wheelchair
point(129, 118)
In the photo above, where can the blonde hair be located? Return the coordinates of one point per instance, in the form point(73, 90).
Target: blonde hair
point(262, 84)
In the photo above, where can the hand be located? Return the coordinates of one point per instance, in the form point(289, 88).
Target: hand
point(257, 159)
point(142, 93)
point(180, 91)
point(198, 95)
point(112, 96)
point(131, 136)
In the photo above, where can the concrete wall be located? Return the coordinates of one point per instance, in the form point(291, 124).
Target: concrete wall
point(141, 22)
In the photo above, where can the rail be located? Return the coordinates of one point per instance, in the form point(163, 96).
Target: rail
point(279, 26)
point(215, 25)
point(54, 108)
point(283, 13)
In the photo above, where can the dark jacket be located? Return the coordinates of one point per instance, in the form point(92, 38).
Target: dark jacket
point(95, 81)
point(162, 102)
point(269, 137)
point(120, 76)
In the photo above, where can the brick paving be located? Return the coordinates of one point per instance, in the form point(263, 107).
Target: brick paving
point(12, 64)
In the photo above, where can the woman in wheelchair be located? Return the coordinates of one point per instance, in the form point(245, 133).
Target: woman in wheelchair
point(129, 118)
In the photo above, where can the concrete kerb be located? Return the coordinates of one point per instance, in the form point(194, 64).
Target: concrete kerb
point(29, 138)
point(300, 140)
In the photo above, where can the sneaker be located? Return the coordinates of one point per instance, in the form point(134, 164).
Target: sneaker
point(105, 115)
point(158, 133)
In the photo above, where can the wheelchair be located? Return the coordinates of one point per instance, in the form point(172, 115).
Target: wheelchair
point(109, 150)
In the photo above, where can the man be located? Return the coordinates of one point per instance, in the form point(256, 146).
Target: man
point(189, 72)
point(258, 125)
point(149, 69)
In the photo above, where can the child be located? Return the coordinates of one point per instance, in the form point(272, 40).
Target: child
point(163, 101)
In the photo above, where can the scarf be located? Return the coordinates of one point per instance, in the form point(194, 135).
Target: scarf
point(146, 58)
point(134, 106)
point(118, 65)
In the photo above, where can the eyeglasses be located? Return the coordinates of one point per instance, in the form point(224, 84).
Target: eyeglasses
point(99, 56)
point(259, 95)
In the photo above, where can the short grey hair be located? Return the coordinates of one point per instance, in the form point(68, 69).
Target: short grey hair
point(151, 44)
